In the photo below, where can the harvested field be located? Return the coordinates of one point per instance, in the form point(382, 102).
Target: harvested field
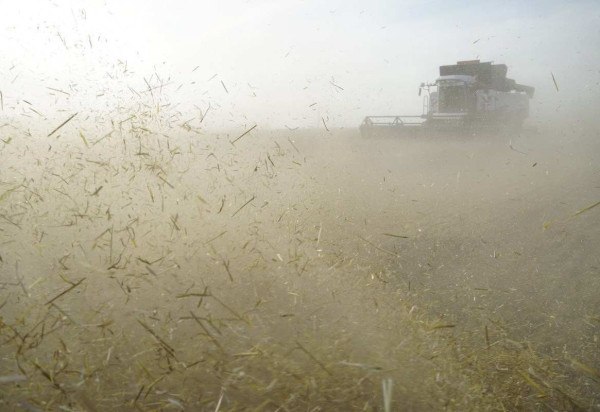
point(158, 269)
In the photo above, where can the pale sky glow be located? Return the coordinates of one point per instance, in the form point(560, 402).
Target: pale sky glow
point(277, 58)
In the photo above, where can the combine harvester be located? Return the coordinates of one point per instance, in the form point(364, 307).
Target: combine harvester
point(467, 97)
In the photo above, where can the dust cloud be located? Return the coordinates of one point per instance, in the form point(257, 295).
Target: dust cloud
point(152, 267)
point(161, 250)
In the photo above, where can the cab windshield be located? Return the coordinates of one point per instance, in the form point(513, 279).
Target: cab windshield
point(452, 96)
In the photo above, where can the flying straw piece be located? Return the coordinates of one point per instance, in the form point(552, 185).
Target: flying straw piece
point(164, 344)
point(226, 264)
point(58, 90)
point(339, 87)
point(164, 180)
point(243, 206)
point(216, 237)
point(512, 148)
point(310, 355)
point(586, 209)
point(205, 113)
point(207, 332)
point(220, 400)
point(377, 247)
point(387, 385)
point(62, 124)
point(393, 235)
point(554, 80)
point(97, 191)
point(244, 134)
point(64, 292)
point(319, 235)
point(293, 145)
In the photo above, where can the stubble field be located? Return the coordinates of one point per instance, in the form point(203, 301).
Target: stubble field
point(148, 266)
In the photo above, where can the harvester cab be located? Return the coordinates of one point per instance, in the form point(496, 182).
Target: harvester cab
point(468, 95)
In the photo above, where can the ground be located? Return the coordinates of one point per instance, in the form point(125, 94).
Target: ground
point(151, 267)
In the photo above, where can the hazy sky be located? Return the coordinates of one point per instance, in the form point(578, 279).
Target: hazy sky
point(277, 58)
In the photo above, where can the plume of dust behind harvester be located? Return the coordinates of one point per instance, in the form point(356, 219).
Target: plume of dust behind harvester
point(467, 96)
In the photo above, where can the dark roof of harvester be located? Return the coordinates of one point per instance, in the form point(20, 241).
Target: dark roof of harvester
point(492, 76)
